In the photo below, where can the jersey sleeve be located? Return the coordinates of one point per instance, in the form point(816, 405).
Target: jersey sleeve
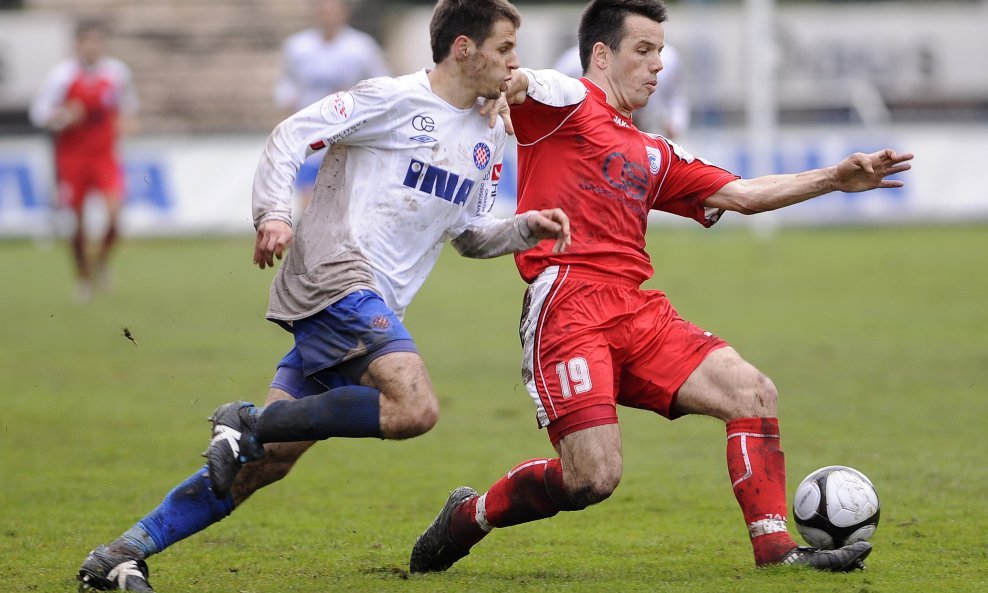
point(51, 95)
point(687, 183)
point(552, 98)
point(129, 101)
point(355, 117)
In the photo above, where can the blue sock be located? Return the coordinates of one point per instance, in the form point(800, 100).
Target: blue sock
point(353, 411)
point(188, 509)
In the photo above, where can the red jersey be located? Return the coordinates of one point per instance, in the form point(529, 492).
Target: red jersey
point(103, 90)
point(578, 153)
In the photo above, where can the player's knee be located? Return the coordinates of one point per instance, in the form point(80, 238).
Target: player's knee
point(416, 419)
point(763, 396)
point(590, 493)
point(594, 488)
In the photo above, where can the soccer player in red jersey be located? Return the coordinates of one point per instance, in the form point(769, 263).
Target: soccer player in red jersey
point(85, 102)
point(593, 339)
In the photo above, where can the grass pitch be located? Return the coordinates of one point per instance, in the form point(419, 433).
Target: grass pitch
point(877, 340)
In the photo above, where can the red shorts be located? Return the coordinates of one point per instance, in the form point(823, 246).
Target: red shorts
point(591, 343)
point(78, 176)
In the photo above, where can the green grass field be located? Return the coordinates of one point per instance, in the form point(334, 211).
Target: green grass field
point(877, 340)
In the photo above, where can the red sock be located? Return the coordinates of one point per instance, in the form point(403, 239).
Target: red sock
point(532, 490)
point(757, 468)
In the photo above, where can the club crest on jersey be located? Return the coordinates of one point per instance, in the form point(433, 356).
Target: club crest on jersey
point(654, 159)
point(438, 182)
point(337, 107)
point(481, 155)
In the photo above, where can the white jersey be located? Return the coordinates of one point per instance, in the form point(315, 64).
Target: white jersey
point(314, 67)
point(405, 172)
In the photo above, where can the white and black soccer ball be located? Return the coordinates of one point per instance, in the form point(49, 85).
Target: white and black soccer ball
point(835, 506)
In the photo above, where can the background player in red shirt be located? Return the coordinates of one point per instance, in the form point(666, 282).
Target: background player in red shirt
point(592, 338)
point(85, 103)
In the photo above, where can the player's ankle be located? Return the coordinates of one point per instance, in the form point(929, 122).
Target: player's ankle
point(772, 548)
point(463, 527)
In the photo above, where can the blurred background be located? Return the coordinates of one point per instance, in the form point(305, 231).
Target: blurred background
point(773, 86)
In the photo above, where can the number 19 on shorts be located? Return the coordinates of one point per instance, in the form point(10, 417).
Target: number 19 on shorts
point(574, 377)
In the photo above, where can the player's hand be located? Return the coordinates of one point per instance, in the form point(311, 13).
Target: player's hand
point(517, 88)
point(69, 114)
point(273, 239)
point(551, 224)
point(861, 172)
point(495, 108)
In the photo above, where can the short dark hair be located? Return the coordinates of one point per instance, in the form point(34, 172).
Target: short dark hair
point(473, 18)
point(603, 21)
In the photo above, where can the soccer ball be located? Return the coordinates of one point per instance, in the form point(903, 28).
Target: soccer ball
point(835, 506)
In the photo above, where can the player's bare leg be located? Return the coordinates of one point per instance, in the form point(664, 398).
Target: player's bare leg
point(727, 387)
point(586, 472)
point(279, 459)
point(78, 245)
point(110, 236)
point(409, 406)
point(395, 401)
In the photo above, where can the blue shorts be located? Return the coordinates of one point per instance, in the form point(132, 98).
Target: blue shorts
point(335, 346)
point(306, 176)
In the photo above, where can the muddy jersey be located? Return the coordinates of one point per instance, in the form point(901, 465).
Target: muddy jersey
point(404, 172)
point(578, 153)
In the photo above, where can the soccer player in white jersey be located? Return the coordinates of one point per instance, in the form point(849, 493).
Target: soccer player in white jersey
point(410, 163)
point(329, 57)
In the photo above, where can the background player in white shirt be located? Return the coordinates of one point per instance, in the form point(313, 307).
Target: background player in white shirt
point(411, 163)
point(329, 57)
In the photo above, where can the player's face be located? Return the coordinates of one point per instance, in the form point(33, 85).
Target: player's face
point(494, 61)
point(637, 62)
point(90, 46)
point(332, 14)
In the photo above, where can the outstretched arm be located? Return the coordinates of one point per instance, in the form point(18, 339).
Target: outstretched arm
point(550, 224)
point(498, 236)
point(856, 173)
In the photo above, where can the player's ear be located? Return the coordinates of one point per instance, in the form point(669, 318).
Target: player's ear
point(600, 55)
point(462, 46)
